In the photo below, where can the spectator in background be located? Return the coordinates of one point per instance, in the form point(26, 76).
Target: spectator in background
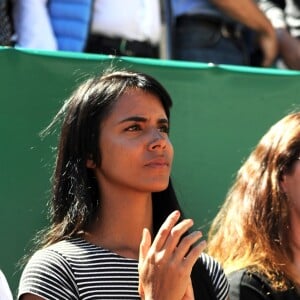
point(285, 17)
point(5, 293)
point(213, 31)
point(114, 27)
point(255, 235)
point(6, 26)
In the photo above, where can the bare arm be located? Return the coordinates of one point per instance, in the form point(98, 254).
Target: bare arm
point(248, 13)
point(289, 48)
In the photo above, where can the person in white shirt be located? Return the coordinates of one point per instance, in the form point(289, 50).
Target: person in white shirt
point(114, 27)
point(5, 292)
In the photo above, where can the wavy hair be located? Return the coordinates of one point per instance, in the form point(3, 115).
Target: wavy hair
point(252, 228)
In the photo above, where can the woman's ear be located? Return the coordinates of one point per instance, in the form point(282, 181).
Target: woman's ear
point(90, 164)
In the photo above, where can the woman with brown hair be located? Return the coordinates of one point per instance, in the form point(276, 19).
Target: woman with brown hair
point(255, 235)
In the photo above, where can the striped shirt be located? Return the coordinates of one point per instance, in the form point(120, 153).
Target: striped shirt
point(76, 269)
point(283, 17)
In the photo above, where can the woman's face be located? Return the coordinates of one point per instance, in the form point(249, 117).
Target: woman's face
point(136, 152)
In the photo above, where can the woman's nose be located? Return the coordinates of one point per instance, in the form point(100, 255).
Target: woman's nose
point(159, 140)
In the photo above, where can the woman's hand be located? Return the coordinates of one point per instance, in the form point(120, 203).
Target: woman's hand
point(165, 265)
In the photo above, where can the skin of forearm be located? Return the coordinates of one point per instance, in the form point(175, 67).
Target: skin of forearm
point(289, 48)
point(246, 12)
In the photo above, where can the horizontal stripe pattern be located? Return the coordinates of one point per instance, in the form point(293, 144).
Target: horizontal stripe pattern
point(75, 269)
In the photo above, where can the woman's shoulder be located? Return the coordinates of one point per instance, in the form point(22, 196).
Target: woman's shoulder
point(210, 263)
point(249, 285)
point(61, 249)
point(59, 268)
point(52, 269)
point(63, 252)
point(49, 272)
point(216, 275)
point(64, 255)
point(212, 266)
point(245, 284)
point(54, 258)
point(247, 277)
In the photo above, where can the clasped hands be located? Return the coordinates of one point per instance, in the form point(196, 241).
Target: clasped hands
point(165, 265)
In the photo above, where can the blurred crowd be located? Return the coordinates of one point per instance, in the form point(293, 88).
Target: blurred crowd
point(263, 33)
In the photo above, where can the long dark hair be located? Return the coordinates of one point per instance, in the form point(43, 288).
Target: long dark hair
point(75, 201)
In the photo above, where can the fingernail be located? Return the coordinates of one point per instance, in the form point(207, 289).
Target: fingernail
point(197, 233)
point(176, 213)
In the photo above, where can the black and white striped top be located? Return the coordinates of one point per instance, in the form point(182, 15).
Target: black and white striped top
point(76, 269)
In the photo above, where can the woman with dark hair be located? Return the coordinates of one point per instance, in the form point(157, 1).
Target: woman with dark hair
point(112, 195)
point(255, 235)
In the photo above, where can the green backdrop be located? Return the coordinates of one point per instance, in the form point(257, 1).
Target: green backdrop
point(219, 114)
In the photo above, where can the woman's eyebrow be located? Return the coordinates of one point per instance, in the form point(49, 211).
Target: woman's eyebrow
point(163, 121)
point(143, 119)
point(134, 118)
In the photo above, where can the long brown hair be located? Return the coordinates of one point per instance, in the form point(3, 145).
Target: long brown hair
point(251, 230)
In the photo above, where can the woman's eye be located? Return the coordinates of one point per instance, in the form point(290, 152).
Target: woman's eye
point(135, 127)
point(164, 128)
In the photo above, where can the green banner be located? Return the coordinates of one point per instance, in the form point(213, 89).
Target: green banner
point(219, 114)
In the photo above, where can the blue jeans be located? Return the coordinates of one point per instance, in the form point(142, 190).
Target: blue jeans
point(204, 42)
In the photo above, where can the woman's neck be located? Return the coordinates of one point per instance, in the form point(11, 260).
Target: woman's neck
point(120, 223)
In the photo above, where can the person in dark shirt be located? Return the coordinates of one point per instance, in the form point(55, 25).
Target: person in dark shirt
point(255, 235)
point(221, 32)
point(6, 25)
